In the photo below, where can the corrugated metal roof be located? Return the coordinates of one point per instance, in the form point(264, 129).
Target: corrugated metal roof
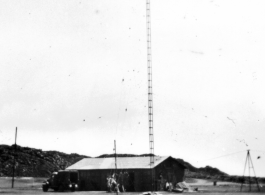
point(122, 163)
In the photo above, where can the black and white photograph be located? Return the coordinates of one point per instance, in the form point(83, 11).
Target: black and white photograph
point(146, 97)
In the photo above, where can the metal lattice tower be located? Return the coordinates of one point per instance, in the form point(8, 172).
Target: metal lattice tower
point(150, 93)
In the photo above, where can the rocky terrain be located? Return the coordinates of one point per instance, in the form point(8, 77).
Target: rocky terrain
point(32, 162)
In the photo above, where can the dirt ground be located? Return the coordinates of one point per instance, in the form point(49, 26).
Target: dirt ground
point(33, 186)
point(37, 192)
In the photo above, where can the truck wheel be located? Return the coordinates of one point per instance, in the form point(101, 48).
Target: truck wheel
point(45, 188)
point(72, 189)
point(61, 189)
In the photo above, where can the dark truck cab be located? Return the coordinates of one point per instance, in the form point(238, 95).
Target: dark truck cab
point(61, 181)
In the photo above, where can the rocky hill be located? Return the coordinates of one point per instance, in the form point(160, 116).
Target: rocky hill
point(32, 162)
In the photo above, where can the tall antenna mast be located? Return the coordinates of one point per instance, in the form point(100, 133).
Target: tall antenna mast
point(150, 92)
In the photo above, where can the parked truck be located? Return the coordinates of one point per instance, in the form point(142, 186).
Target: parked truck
point(62, 181)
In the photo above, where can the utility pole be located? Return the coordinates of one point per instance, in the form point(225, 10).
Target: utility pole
point(115, 155)
point(14, 160)
point(250, 165)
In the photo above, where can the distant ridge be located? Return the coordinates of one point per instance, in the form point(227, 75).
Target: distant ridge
point(197, 172)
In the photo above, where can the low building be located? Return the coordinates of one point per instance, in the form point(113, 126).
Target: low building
point(133, 172)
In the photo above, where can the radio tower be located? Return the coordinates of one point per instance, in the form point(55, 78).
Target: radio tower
point(150, 93)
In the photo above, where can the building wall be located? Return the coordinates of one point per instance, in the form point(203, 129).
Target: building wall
point(143, 180)
point(93, 180)
point(168, 171)
point(96, 180)
point(138, 180)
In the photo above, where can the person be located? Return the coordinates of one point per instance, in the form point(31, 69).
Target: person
point(109, 184)
point(126, 182)
point(117, 187)
point(121, 181)
point(167, 186)
point(114, 184)
point(170, 186)
point(160, 181)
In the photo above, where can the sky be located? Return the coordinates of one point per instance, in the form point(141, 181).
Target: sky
point(73, 78)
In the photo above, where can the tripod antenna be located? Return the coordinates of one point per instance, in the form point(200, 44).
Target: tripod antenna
point(250, 165)
point(256, 179)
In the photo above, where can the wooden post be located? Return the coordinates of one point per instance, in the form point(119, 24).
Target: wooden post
point(115, 155)
point(14, 161)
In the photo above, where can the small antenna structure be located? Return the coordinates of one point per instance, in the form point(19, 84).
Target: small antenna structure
point(250, 165)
